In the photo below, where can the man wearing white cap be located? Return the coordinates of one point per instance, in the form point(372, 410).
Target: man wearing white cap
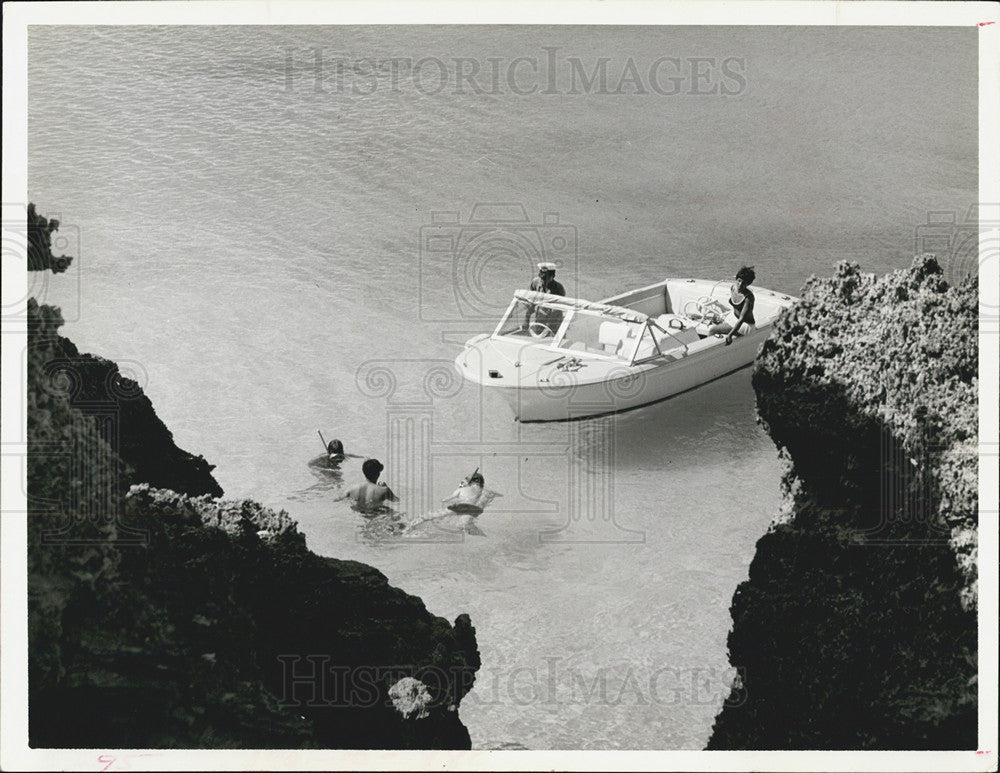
point(546, 282)
point(547, 320)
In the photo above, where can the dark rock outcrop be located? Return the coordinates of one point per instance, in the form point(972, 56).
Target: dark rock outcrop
point(218, 628)
point(40, 257)
point(857, 626)
point(124, 415)
point(159, 619)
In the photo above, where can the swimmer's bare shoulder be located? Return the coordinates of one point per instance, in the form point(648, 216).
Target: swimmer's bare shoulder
point(373, 494)
point(353, 493)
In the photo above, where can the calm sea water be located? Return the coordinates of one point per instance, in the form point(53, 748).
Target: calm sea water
point(251, 234)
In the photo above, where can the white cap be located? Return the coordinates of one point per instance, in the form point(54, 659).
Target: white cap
point(547, 267)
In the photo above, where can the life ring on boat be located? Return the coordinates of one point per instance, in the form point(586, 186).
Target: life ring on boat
point(678, 326)
point(540, 330)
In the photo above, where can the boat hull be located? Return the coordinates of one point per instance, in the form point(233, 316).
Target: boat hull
point(571, 399)
point(545, 383)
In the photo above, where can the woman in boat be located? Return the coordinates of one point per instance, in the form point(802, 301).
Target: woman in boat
point(740, 320)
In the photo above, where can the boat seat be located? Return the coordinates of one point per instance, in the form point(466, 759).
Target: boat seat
point(677, 337)
point(664, 321)
point(612, 335)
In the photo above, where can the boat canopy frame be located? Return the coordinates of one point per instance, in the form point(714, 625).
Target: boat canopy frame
point(572, 306)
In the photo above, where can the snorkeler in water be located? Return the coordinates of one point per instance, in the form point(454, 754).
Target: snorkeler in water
point(467, 502)
point(470, 497)
point(332, 458)
point(335, 451)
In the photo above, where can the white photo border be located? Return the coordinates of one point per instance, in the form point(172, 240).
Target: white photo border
point(14, 750)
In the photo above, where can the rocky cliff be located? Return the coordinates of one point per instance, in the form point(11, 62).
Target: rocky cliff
point(125, 417)
point(208, 624)
point(857, 626)
point(171, 619)
point(40, 257)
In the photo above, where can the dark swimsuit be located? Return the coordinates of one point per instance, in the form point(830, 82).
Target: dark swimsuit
point(738, 307)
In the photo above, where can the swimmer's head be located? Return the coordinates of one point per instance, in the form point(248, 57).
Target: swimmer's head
point(372, 468)
point(335, 447)
point(477, 479)
point(746, 275)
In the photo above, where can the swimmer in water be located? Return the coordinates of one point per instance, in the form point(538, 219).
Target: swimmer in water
point(335, 452)
point(371, 494)
point(469, 497)
point(468, 501)
point(330, 461)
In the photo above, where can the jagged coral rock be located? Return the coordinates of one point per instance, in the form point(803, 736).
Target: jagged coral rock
point(857, 626)
point(163, 620)
point(97, 388)
point(410, 697)
point(206, 634)
point(40, 257)
point(898, 356)
point(328, 637)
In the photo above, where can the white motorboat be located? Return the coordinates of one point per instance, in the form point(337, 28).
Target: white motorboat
point(554, 358)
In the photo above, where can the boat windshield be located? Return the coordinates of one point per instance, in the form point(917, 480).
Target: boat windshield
point(594, 333)
point(574, 325)
point(535, 320)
